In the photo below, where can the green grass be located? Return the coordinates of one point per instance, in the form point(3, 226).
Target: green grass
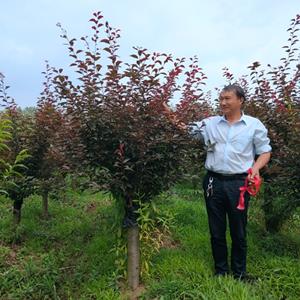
point(186, 272)
point(65, 257)
point(70, 255)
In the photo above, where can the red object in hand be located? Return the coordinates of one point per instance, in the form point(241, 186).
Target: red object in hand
point(252, 189)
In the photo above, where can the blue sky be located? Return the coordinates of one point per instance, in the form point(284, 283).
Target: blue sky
point(221, 33)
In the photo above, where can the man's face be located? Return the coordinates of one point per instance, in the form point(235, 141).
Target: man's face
point(230, 102)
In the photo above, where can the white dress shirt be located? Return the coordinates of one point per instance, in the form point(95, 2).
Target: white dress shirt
point(231, 148)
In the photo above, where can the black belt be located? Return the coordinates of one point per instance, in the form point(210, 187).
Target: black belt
point(227, 176)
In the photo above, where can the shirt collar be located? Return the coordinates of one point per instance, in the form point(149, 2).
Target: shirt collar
point(242, 119)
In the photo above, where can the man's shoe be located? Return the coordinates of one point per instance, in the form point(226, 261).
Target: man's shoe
point(247, 278)
point(218, 274)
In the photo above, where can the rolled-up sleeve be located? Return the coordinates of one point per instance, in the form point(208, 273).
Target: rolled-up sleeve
point(261, 140)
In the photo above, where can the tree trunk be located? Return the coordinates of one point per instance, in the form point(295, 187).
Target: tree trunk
point(273, 224)
point(274, 215)
point(17, 206)
point(133, 248)
point(45, 205)
point(16, 216)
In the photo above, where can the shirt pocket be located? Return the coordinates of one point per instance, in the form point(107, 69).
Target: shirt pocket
point(242, 143)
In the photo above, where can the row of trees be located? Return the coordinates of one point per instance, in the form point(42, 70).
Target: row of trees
point(109, 124)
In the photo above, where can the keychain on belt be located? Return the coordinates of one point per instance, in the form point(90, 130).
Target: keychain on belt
point(209, 190)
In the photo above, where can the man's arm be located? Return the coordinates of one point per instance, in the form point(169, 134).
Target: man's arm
point(172, 117)
point(194, 129)
point(260, 162)
point(262, 147)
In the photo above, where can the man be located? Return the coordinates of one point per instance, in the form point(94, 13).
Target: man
point(233, 140)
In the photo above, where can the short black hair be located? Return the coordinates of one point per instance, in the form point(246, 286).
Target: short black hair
point(239, 91)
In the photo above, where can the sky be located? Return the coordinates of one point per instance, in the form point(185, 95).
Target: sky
point(221, 33)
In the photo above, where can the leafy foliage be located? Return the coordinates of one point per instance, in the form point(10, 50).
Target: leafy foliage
point(9, 171)
point(36, 130)
point(117, 112)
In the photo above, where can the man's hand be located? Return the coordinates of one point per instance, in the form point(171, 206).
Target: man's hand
point(260, 162)
point(166, 108)
point(255, 173)
point(172, 117)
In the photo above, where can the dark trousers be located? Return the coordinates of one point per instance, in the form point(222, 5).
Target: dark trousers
point(221, 202)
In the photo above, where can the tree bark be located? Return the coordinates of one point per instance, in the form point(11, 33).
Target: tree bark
point(45, 205)
point(17, 206)
point(272, 216)
point(273, 224)
point(133, 249)
point(16, 216)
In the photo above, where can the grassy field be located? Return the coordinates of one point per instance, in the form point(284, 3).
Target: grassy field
point(71, 256)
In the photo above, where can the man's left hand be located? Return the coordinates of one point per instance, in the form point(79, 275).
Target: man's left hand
point(255, 172)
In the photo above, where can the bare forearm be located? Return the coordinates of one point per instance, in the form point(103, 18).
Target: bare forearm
point(261, 161)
